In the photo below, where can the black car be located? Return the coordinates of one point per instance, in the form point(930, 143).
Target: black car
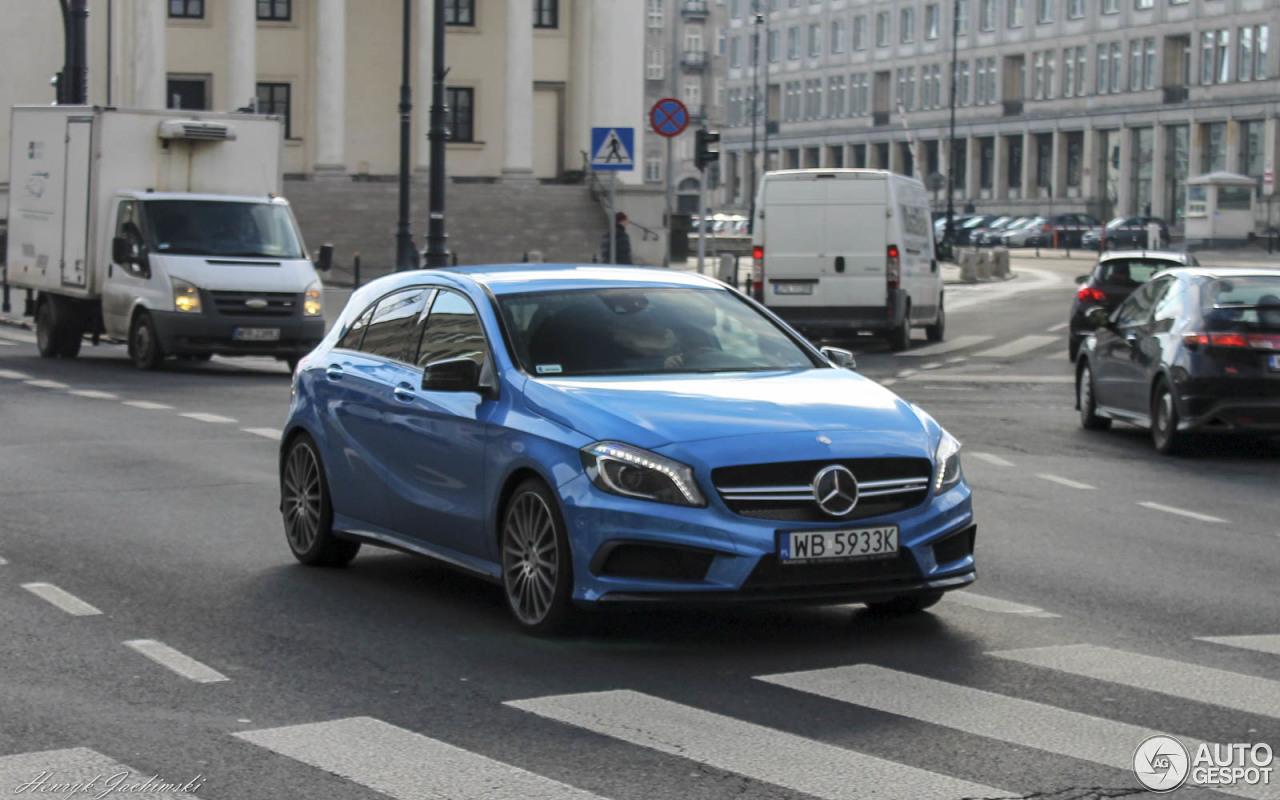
point(1124, 233)
point(1197, 349)
point(1111, 281)
point(965, 229)
point(1064, 231)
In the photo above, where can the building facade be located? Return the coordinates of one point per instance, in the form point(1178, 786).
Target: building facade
point(1103, 106)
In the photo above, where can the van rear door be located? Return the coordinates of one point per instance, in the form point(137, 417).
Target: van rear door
point(825, 240)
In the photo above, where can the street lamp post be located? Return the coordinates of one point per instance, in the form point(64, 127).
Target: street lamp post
point(755, 117)
point(437, 239)
point(406, 253)
point(951, 135)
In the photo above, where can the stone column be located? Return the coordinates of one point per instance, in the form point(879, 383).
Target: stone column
point(1058, 171)
point(242, 54)
point(1126, 202)
point(1030, 155)
point(144, 55)
point(1160, 173)
point(423, 83)
point(517, 149)
point(972, 167)
point(1090, 174)
point(1270, 157)
point(1233, 146)
point(1000, 170)
point(331, 87)
point(579, 100)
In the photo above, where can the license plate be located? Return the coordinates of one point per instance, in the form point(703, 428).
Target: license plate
point(793, 288)
point(256, 334)
point(799, 547)
point(1275, 361)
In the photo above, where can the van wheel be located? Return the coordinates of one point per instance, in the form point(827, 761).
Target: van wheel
point(49, 334)
point(900, 337)
point(71, 343)
point(938, 329)
point(144, 343)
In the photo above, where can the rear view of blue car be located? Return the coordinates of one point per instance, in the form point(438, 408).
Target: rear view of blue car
point(591, 436)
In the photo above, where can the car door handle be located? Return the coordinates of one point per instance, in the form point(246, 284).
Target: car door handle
point(334, 373)
point(404, 393)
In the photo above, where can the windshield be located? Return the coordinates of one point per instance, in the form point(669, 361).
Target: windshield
point(638, 331)
point(1118, 222)
point(1252, 301)
point(975, 222)
point(216, 228)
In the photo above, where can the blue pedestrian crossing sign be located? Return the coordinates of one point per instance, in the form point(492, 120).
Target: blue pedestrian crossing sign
point(613, 149)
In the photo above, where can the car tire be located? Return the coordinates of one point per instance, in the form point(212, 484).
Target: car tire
point(906, 604)
point(72, 339)
point(1089, 419)
point(144, 343)
point(307, 509)
point(1164, 421)
point(537, 564)
point(50, 335)
point(1073, 347)
point(900, 337)
point(938, 329)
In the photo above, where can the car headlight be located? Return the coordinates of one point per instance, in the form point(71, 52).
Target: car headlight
point(632, 472)
point(313, 300)
point(947, 461)
point(186, 297)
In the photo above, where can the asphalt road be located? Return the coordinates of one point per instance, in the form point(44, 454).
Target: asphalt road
point(150, 499)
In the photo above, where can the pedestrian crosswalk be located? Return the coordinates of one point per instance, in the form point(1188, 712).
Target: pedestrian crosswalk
point(808, 755)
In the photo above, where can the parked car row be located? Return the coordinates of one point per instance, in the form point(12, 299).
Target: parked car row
point(1060, 231)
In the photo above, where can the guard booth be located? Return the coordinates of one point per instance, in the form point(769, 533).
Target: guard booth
point(1220, 209)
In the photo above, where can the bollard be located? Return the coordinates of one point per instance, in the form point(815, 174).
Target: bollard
point(728, 271)
point(533, 257)
point(355, 271)
point(1001, 257)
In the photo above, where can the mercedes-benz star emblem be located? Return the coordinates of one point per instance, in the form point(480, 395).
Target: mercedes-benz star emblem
point(835, 490)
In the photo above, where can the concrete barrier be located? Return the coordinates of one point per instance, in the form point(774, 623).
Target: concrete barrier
point(984, 265)
point(1000, 256)
point(968, 263)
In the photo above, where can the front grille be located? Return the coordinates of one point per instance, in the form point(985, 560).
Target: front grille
point(249, 304)
point(770, 574)
point(784, 491)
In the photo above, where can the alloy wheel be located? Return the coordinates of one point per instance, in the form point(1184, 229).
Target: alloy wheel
point(530, 558)
point(303, 498)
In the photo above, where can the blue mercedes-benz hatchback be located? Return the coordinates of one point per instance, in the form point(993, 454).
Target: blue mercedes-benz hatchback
point(591, 435)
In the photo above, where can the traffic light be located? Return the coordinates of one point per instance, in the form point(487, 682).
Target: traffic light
point(706, 151)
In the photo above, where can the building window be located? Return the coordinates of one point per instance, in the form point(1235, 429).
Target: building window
point(932, 21)
point(186, 9)
point(987, 15)
point(882, 29)
point(1149, 64)
point(835, 97)
point(1069, 72)
point(773, 46)
point(962, 89)
point(793, 43)
point(656, 68)
point(1014, 178)
point(188, 92)
point(986, 160)
point(1135, 65)
point(1044, 11)
point(459, 12)
point(1214, 156)
point(813, 99)
point(275, 10)
point(693, 94)
point(1206, 57)
point(1110, 6)
point(1116, 66)
point(837, 36)
point(273, 98)
point(859, 33)
point(858, 95)
point(815, 40)
point(1253, 53)
point(1075, 158)
point(735, 52)
point(1104, 68)
point(962, 17)
point(907, 25)
point(1075, 9)
point(907, 88)
point(653, 170)
point(654, 16)
point(1251, 150)
point(1143, 4)
point(1037, 81)
point(1223, 59)
point(1015, 13)
point(735, 9)
point(546, 13)
point(461, 116)
point(1050, 74)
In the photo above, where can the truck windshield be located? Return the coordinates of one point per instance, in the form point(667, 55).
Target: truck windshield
point(216, 228)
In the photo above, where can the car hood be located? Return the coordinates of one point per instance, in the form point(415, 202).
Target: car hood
point(652, 411)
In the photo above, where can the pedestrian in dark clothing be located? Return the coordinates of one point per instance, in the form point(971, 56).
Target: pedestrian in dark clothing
point(622, 242)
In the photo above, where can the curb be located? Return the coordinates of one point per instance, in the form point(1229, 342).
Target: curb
point(16, 322)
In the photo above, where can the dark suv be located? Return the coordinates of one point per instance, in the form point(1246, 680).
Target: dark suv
point(1127, 233)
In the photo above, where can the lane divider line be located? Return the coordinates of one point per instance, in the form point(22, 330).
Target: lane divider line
point(1181, 512)
point(3, 562)
point(13, 375)
point(995, 605)
point(1064, 481)
point(146, 405)
point(991, 459)
point(1058, 327)
point(1262, 643)
point(203, 417)
point(183, 664)
point(94, 394)
point(46, 384)
point(62, 599)
point(266, 433)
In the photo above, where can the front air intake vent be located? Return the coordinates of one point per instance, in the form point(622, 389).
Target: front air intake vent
point(194, 129)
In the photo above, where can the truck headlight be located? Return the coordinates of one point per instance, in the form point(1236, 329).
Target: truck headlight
point(186, 297)
point(632, 472)
point(947, 463)
point(313, 301)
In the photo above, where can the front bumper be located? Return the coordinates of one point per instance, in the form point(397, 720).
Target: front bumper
point(184, 333)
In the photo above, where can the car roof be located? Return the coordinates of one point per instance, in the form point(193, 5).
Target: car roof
point(1154, 255)
point(502, 279)
point(1229, 272)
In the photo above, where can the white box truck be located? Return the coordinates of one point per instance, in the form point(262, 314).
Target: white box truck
point(162, 229)
point(844, 251)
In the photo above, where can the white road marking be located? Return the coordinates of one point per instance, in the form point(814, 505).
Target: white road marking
point(957, 359)
point(995, 604)
point(184, 665)
point(94, 394)
point(147, 405)
point(8, 344)
point(13, 375)
point(949, 346)
point(407, 765)
point(995, 716)
point(1181, 512)
point(1173, 678)
point(16, 336)
point(1064, 481)
point(203, 417)
point(266, 433)
point(888, 381)
point(77, 765)
point(1023, 344)
point(62, 599)
point(961, 377)
point(906, 373)
point(46, 384)
point(990, 459)
point(764, 754)
point(933, 365)
point(1058, 327)
point(3, 562)
point(1262, 643)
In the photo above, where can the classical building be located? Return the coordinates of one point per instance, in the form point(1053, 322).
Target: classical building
point(1104, 106)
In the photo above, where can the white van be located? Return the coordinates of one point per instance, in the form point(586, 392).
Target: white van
point(844, 251)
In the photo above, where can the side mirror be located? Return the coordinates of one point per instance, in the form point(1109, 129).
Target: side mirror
point(1081, 278)
point(1098, 316)
point(452, 375)
point(838, 356)
point(324, 260)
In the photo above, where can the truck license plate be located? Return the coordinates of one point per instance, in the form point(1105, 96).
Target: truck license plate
point(256, 334)
point(793, 288)
point(797, 547)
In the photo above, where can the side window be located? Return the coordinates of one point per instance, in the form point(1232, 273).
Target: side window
point(1168, 303)
point(1137, 309)
point(390, 333)
point(453, 330)
point(355, 334)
